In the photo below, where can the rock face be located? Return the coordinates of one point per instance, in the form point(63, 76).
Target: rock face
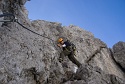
point(119, 54)
point(87, 74)
point(31, 57)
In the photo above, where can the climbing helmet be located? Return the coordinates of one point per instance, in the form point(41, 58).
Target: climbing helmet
point(60, 40)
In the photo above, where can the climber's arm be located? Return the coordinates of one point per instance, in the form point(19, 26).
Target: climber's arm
point(64, 45)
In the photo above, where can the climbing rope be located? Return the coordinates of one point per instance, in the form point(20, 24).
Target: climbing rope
point(33, 31)
point(14, 19)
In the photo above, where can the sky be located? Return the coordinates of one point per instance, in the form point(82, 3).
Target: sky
point(104, 18)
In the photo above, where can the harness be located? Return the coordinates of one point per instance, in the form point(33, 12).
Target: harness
point(71, 47)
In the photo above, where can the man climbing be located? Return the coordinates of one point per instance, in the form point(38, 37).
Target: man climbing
point(67, 51)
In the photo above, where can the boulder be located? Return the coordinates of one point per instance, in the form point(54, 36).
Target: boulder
point(87, 74)
point(119, 54)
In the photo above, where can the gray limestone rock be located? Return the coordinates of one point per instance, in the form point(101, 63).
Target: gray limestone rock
point(87, 74)
point(119, 53)
point(29, 53)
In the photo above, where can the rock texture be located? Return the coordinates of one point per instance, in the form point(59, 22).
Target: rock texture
point(119, 54)
point(87, 74)
point(32, 57)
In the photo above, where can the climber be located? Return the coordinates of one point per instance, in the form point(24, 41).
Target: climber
point(67, 51)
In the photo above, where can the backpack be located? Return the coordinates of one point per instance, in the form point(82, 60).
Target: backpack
point(72, 45)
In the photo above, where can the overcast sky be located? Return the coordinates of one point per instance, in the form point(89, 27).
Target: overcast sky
point(104, 18)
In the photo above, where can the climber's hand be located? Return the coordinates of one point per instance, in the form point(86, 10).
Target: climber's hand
point(59, 45)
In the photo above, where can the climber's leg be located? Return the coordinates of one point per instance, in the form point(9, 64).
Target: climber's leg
point(73, 59)
point(63, 54)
